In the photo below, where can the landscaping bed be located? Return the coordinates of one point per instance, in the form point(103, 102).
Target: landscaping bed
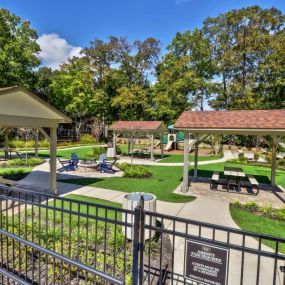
point(263, 220)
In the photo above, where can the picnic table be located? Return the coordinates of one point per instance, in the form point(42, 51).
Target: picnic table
point(234, 176)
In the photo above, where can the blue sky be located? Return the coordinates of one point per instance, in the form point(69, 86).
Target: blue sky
point(66, 26)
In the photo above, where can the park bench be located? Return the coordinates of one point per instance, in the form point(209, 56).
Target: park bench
point(253, 183)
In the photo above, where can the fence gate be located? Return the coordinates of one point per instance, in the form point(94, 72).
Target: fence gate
point(45, 239)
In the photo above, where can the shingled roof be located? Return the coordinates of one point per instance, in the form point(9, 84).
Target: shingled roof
point(232, 120)
point(138, 126)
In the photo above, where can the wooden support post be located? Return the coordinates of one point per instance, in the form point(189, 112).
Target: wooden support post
point(6, 140)
point(53, 137)
point(115, 144)
point(129, 146)
point(151, 147)
point(185, 183)
point(161, 146)
point(275, 142)
point(36, 143)
point(196, 160)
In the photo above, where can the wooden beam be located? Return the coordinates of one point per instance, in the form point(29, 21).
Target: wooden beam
point(44, 133)
point(53, 137)
point(115, 143)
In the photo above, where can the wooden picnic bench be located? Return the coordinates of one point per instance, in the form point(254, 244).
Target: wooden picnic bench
point(215, 180)
point(253, 183)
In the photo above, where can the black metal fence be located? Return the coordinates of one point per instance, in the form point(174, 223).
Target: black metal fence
point(47, 239)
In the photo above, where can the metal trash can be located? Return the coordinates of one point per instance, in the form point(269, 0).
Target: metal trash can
point(130, 202)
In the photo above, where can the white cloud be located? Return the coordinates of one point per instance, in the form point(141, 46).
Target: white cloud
point(56, 50)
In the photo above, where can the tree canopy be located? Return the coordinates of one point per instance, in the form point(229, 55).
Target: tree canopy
point(235, 61)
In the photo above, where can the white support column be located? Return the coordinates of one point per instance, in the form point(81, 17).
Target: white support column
point(53, 137)
point(6, 140)
point(196, 160)
point(115, 144)
point(129, 145)
point(36, 143)
point(151, 147)
point(161, 146)
point(273, 160)
point(185, 183)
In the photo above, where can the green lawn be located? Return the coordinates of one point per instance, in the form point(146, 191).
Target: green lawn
point(162, 183)
point(255, 223)
point(66, 153)
point(169, 158)
point(92, 210)
point(166, 178)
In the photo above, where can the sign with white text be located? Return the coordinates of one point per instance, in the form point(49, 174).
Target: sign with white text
point(205, 263)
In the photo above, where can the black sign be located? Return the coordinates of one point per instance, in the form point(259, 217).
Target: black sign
point(205, 263)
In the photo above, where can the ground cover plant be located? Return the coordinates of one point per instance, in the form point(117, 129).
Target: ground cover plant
point(263, 220)
point(15, 173)
point(134, 171)
point(87, 239)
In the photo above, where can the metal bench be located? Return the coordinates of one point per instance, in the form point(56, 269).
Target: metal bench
point(253, 183)
point(215, 180)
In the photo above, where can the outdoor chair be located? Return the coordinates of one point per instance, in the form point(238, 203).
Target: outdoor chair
point(106, 166)
point(253, 183)
point(70, 164)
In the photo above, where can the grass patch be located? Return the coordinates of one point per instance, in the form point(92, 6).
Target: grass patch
point(162, 183)
point(263, 225)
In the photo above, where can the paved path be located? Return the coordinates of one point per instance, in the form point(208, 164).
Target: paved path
point(227, 155)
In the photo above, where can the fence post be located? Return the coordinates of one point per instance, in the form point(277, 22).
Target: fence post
point(138, 246)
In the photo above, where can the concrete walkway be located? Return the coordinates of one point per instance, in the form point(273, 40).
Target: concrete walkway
point(227, 155)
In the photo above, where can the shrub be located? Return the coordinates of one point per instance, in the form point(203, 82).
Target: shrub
point(96, 151)
point(134, 171)
point(22, 162)
point(256, 156)
point(241, 157)
point(265, 211)
point(87, 139)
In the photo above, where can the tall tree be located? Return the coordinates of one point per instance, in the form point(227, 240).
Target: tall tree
point(184, 75)
point(241, 40)
point(18, 51)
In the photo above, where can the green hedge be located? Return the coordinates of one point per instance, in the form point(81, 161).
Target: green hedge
point(23, 162)
point(134, 171)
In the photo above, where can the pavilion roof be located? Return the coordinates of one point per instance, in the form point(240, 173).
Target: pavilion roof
point(132, 126)
point(21, 108)
point(238, 121)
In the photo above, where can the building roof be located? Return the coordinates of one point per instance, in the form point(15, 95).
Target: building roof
point(138, 126)
point(21, 108)
point(242, 121)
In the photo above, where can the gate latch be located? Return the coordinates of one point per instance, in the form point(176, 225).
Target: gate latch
point(282, 269)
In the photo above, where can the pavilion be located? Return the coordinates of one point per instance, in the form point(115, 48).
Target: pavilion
point(135, 129)
point(261, 123)
point(20, 108)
